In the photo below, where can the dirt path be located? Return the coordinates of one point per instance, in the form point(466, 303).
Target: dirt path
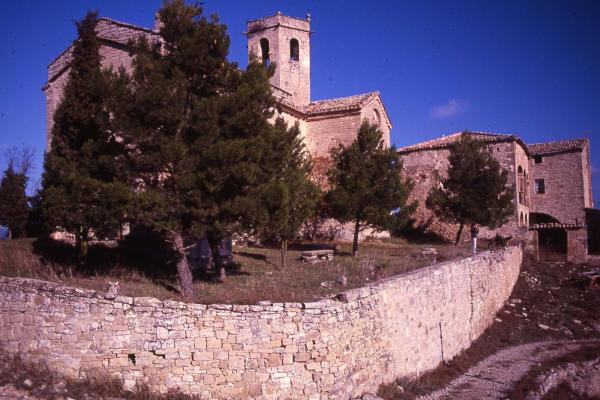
point(495, 377)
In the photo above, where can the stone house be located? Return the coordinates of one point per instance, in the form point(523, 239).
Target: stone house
point(280, 39)
point(561, 192)
point(551, 181)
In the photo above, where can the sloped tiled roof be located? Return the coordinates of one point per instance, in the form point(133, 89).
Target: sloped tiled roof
point(558, 146)
point(339, 103)
point(447, 140)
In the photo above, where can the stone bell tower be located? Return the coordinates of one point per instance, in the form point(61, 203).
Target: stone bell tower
point(284, 41)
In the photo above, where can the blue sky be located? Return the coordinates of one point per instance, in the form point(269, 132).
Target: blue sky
point(526, 67)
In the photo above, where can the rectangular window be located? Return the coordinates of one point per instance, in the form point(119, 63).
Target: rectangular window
point(540, 187)
point(537, 159)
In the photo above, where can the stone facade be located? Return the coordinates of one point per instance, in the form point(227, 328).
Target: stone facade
point(563, 166)
point(567, 182)
point(425, 163)
point(323, 123)
point(286, 42)
point(328, 349)
point(114, 37)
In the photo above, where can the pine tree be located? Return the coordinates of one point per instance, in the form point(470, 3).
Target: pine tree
point(366, 184)
point(290, 198)
point(82, 191)
point(201, 133)
point(14, 208)
point(475, 190)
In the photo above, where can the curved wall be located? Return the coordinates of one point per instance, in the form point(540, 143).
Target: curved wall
point(329, 349)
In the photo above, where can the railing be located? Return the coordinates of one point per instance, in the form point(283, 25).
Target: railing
point(556, 225)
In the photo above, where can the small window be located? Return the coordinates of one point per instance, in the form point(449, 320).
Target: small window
point(521, 185)
point(537, 159)
point(264, 51)
point(539, 186)
point(423, 177)
point(294, 50)
point(376, 117)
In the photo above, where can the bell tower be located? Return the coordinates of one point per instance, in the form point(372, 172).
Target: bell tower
point(284, 41)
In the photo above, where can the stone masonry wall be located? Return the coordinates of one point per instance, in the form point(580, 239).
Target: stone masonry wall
point(425, 167)
point(374, 111)
point(327, 132)
point(290, 75)
point(329, 349)
point(564, 196)
point(113, 53)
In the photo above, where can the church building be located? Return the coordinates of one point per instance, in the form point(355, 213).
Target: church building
point(278, 39)
point(326, 123)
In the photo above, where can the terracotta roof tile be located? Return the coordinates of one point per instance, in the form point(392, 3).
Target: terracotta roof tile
point(557, 146)
point(447, 140)
point(339, 103)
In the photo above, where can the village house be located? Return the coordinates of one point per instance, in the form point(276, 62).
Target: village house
point(552, 184)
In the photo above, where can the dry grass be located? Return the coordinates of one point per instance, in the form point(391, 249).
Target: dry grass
point(254, 276)
point(44, 383)
point(18, 259)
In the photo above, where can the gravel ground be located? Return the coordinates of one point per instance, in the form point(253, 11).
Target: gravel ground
point(495, 377)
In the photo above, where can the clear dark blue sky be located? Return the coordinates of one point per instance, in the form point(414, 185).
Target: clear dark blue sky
point(525, 67)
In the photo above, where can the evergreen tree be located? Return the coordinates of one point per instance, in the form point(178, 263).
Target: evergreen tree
point(290, 198)
point(35, 222)
point(82, 189)
point(475, 190)
point(201, 133)
point(14, 208)
point(366, 184)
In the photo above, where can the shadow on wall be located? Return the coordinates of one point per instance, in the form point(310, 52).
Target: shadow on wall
point(592, 220)
point(552, 242)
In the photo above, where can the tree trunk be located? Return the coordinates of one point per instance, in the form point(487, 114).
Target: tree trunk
point(355, 241)
point(217, 259)
point(183, 269)
point(284, 244)
point(81, 243)
point(459, 233)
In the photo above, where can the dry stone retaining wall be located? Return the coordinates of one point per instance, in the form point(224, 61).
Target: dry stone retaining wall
point(329, 349)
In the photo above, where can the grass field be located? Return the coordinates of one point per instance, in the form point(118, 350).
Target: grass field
point(255, 275)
